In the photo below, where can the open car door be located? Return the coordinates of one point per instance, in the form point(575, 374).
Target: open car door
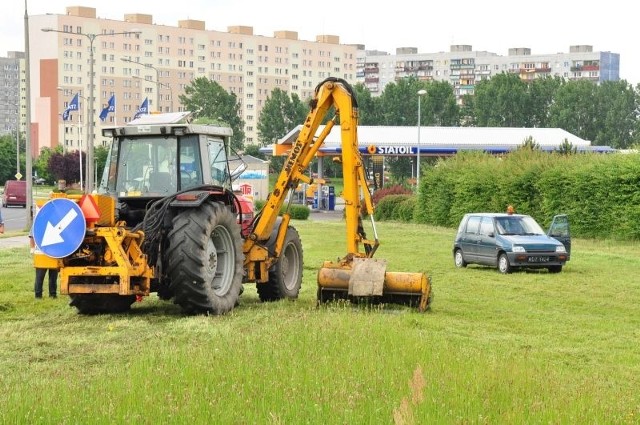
point(559, 230)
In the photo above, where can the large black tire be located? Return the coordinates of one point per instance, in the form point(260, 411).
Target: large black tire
point(285, 276)
point(555, 269)
point(102, 303)
point(205, 259)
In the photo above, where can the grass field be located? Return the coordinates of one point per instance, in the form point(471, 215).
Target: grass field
point(529, 347)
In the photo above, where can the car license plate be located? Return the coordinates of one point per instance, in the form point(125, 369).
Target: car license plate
point(538, 259)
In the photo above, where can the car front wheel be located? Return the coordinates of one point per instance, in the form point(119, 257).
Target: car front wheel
point(503, 264)
point(555, 269)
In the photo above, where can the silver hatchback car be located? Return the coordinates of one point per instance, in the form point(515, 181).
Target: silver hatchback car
point(512, 241)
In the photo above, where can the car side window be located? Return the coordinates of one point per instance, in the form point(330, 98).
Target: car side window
point(473, 225)
point(486, 226)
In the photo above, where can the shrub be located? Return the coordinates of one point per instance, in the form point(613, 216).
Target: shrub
point(299, 212)
point(391, 190)
point(404, 210)
point(385, 209)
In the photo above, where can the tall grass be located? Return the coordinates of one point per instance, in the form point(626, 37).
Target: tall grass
point(529, 347)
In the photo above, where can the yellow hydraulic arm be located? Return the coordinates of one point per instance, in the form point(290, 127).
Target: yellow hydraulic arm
point(362, 278)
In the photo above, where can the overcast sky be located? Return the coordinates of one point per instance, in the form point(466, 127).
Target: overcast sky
point(544, 26)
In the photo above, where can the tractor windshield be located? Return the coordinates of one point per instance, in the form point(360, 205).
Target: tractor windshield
point(154, 166)
point(143, 167)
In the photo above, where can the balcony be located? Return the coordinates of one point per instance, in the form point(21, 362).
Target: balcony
point(543, 69)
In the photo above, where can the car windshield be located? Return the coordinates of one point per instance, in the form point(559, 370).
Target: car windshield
point(518, 225)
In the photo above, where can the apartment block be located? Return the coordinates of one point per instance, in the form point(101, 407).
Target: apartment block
point(13, 113)
point(135, 59)
point(463, 67)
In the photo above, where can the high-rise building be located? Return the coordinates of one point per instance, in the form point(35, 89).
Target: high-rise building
point(136, 59)
point(463, 67)
point(12, 96)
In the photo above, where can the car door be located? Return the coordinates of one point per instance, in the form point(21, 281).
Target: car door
point(560, 231)
point(486, 248)
point(469, 239)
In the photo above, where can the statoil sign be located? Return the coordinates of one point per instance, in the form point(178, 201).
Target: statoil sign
point(391, 150)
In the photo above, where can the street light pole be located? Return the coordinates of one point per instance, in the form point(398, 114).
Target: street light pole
point(421, 93)
point(18, 142)
point(89, 183)
point(158, 83)
point(91, 113)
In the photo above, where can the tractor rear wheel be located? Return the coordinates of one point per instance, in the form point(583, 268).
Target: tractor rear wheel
point(205, 259)
point(285, 276)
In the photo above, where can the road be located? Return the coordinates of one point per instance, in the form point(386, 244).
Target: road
point(15, 219)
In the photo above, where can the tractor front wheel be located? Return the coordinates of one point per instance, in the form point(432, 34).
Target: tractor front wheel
point(285, 276)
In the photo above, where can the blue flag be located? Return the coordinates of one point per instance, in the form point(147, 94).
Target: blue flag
point(143, 109)
point(73, 106)
point(111, 107)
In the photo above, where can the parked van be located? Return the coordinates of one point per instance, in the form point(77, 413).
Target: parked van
point(15, 193)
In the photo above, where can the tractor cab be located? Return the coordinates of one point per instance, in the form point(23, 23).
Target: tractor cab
point(151, 158)
point(160, 155)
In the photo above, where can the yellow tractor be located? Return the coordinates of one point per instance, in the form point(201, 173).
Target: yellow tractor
point(166, 220)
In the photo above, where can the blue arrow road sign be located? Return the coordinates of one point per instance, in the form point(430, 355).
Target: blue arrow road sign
point(59, 228)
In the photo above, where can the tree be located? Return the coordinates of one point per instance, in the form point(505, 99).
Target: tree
point(542, 92)
point(100, 154)
point(66, 166)
point(399, 102)
point(400, 168)
point(254, 151)
point(502, 101)
point(206, 98)
point(618, 106)
point(439, 105)
point(566, 148)
point(7, 158)
point(575, 109)
point(280, 114)
point(368, 106)
point(41, 164)
point(529, 144)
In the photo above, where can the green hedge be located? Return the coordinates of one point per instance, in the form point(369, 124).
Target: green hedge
point(299, 212)
point(394, 207)
point(599, 192)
